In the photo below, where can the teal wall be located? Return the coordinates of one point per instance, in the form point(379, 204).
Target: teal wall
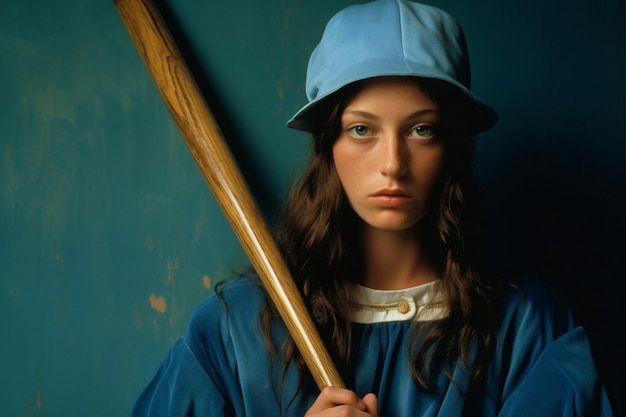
point(109, 236)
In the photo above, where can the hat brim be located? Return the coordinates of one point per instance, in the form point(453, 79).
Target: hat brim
point(467, 112)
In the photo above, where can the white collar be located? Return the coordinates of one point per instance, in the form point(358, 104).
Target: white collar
point(424, 302)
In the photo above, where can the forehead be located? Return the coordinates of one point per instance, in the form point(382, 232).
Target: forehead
point(391, 95)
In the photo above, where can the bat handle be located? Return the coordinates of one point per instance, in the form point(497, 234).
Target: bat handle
point(204, 139)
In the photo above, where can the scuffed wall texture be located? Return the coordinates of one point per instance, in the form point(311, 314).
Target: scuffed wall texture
point(109, 236)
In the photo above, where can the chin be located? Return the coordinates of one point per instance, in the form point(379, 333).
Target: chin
point(393, 225)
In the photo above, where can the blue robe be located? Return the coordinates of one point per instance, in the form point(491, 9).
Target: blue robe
point(542, 366)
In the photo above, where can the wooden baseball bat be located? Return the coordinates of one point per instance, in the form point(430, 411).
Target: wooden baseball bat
point(198, 128)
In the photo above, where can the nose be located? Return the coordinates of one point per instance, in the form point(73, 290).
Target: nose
point(393, 156)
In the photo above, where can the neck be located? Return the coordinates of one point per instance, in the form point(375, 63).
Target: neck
point(394, 260)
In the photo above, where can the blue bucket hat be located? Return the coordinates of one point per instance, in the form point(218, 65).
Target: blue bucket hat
point(391, 38)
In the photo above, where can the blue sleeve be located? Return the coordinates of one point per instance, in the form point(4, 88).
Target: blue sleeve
point(181, 388)
point(562, 383)
point(222, 367)
point(197, 376)
point(546, 361)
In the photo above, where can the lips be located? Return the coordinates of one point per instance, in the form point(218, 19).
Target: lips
point(390, 197)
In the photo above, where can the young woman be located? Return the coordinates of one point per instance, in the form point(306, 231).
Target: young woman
point(384, 236)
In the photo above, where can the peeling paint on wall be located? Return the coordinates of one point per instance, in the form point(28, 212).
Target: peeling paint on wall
point(171, 267)
point(206, 281)
point(34, 404)
point(158, 303)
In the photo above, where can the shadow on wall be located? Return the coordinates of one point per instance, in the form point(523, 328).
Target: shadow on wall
point(248, 164)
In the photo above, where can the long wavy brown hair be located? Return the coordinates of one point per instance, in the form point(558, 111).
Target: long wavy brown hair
point(319, 235)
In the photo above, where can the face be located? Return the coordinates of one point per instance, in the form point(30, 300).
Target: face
point(389, 155)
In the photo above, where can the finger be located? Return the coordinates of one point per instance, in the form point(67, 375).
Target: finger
point(331, 397)
point(340, 396)
point(371, 404)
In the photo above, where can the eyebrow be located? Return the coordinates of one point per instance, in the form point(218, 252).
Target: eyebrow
point(372, 116)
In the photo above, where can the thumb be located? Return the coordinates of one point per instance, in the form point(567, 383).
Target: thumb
point(371, 402)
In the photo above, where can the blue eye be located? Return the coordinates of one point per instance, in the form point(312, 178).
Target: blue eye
point(423, 131)
point(359, 131)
